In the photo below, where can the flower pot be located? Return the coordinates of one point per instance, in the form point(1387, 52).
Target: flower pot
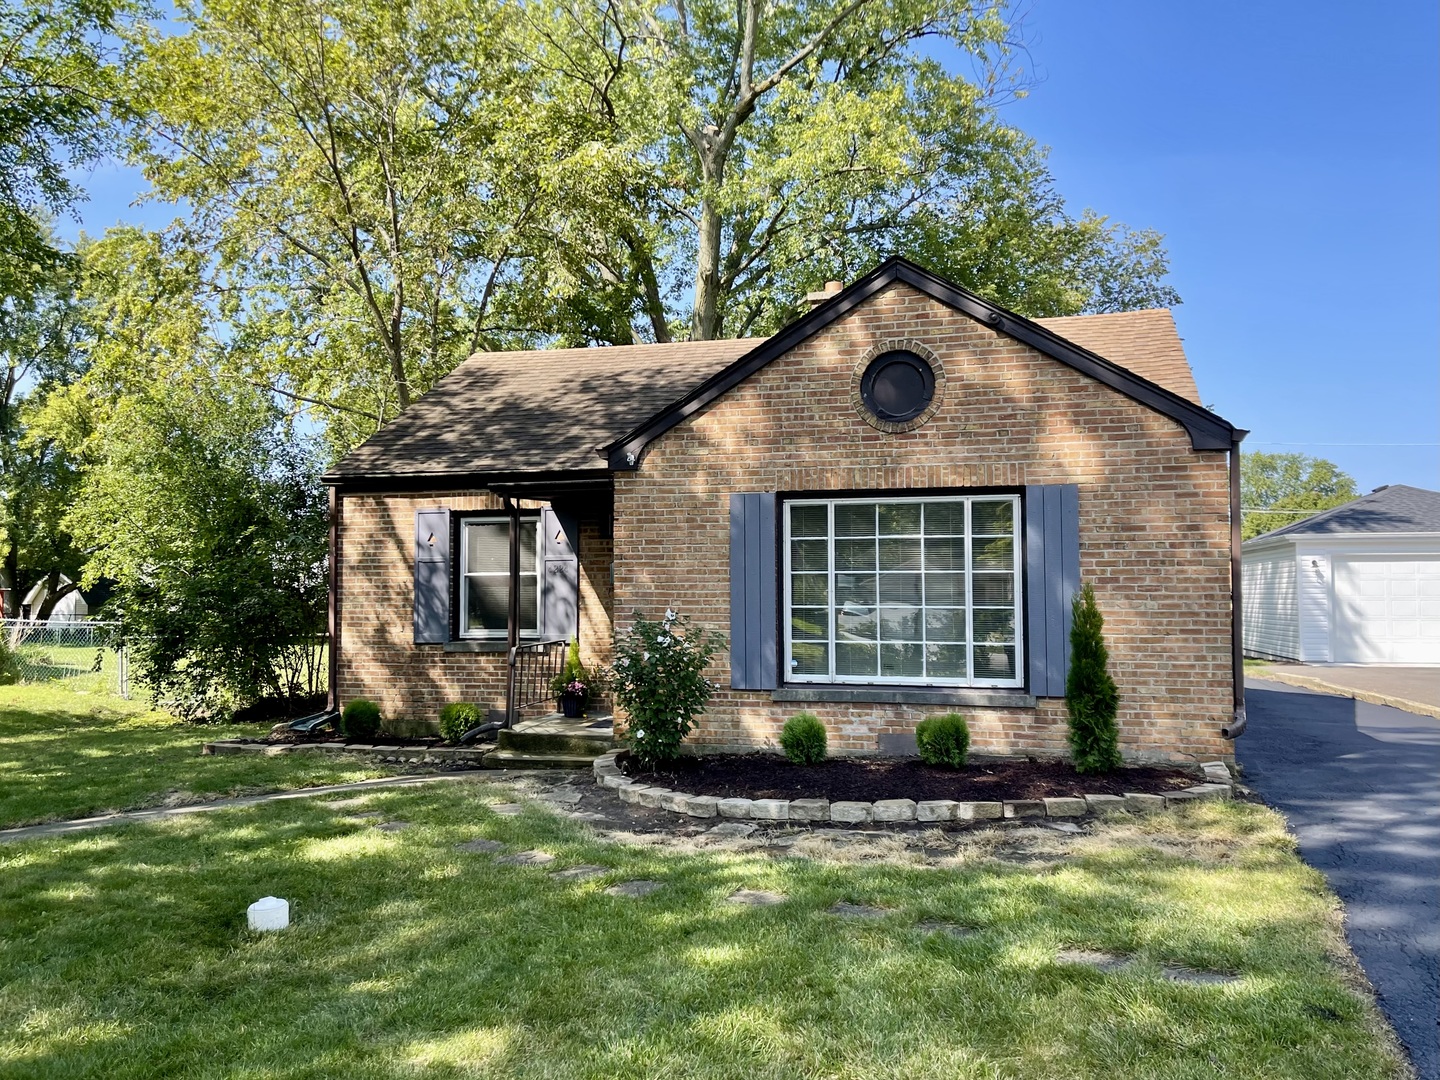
point(572, 705)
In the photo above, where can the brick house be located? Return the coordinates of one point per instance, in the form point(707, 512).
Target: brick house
point(886, 508)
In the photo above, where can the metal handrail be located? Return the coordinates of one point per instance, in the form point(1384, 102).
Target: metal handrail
point(532, 668)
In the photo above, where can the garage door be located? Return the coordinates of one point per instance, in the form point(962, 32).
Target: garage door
point(1387, 610)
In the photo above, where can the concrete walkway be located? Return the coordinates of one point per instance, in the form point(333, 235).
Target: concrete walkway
point(130, 817)
point(1360, 787)
point(1414, 689)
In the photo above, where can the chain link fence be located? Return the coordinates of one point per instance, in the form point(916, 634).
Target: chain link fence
point(79, 655)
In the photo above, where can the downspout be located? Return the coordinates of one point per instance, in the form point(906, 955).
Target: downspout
point(512, 616)
point(1236, 727)
point(332, 615)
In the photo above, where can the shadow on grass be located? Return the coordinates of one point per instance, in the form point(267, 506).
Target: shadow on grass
point(128, 954)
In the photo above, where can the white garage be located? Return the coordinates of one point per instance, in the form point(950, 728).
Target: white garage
point(1359, 584)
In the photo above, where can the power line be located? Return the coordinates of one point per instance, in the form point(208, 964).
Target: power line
point(1272, 442)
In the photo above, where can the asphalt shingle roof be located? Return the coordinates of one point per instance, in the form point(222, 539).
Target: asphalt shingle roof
point(549, 410)
point(1398, 508)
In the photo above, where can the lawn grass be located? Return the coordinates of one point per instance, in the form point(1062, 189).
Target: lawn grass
point(125, 954)
point(65, 754)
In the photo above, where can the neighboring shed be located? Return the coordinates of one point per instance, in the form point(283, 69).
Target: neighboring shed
point(1359, 584)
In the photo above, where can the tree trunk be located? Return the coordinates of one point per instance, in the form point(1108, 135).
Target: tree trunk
point(705, 325)
point(54, 593)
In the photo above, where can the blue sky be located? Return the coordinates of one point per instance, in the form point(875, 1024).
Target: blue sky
point(1290, 152)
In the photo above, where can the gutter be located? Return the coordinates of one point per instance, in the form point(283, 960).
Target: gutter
point(1238, 719)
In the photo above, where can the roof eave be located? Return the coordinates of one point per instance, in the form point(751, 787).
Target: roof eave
point(1207, 430)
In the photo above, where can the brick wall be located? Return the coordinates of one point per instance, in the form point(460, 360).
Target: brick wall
point(1154, 518)
point(378, 656)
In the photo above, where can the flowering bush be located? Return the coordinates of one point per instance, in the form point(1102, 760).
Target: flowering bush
point(578, 688)
point(574, 677)
point(659, 680)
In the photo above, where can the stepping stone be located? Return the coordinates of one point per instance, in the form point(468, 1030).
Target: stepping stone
point(534, 857)
point(634, 888)
point(733, 829)
point(585, 815)
point(480, 847)
point(507, 809)
point(562, 796)
point(393, 826)
point(580, 873)
point(1100, 961)
point(755, 897)
point(931, 926)
point(856, 911)
point(346, 804)
point(1064, 826)
point(1199, 978)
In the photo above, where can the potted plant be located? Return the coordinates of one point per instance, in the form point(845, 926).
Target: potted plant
point(575, 684)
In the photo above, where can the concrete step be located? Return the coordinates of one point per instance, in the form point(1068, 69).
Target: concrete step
point(516, 759)
point(574, 738)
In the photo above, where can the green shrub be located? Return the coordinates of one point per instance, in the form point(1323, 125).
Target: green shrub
point(459, 717)
point(360, 720)
point(575, 678)
point(803, 739)
point(659, 680)
point(9, 662)
point(944, 740)
point(1091, 697)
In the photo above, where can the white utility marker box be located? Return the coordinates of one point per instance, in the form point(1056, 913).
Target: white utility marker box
point(269, 913)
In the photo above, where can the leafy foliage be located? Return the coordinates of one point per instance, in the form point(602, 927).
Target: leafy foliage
point(459, 717)
point(575, 678)
point(9, 662)
point(1274, 482)
point(803, 739)
point(198, 498)
point(1091, 696)
point(58, 100)
point(944, 741)
point(659, 680)
point(360, 719)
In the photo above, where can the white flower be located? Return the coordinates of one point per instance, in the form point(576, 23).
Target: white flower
point(647, 656)
point(670, 615)
point(663, 640)
point(639, 734)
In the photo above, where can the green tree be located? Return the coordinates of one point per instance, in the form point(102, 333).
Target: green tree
point(38, 478)
point(1272, 484)
point(57, 106)
point(799, 141)
point(1091, 697)
point(197, 496)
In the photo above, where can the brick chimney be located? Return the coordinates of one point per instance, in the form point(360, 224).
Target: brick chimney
point(832, 288)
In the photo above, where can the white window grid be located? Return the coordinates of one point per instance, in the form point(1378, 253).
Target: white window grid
point(832, 677)
point(463, 575)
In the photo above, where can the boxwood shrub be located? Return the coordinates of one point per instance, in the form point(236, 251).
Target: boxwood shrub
point(360, 720)
point(944, 740)
point(459, 717)
point(803, 739)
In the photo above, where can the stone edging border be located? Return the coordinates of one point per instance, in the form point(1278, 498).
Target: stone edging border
point(1219, 785)
point(393, 753)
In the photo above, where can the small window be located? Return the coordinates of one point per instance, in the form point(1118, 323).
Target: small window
point(485, 577)
point(897, 386)
point(915, 590)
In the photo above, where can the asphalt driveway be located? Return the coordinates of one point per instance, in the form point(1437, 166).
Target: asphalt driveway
point(1360, 785)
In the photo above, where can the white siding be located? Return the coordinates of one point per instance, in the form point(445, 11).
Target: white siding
point(1314, 594)
point(1269, 605)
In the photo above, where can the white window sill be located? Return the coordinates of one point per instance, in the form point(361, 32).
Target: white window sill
point(1015, 698)
point(485, 645)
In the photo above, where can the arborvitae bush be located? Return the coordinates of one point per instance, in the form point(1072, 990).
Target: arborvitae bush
point(360, 720)
point(803, 739)
point(1090, 693)
point(944, 740)
point(459, 717)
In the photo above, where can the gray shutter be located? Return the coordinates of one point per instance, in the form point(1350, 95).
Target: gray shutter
point(560, 570)
point(1052, 577)
point(754, 659)
point(432, 576)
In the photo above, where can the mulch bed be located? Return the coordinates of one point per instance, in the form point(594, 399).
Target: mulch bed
point(769, 776)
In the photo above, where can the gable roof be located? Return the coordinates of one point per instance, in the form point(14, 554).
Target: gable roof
point(544, 410)
point(1145, 342)
point(1207, 430)
point(1398, 508)
point(568, 411)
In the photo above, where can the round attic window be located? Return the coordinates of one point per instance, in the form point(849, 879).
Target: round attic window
point(897, 386)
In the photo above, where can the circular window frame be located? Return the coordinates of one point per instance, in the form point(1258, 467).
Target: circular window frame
point(857, 381)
